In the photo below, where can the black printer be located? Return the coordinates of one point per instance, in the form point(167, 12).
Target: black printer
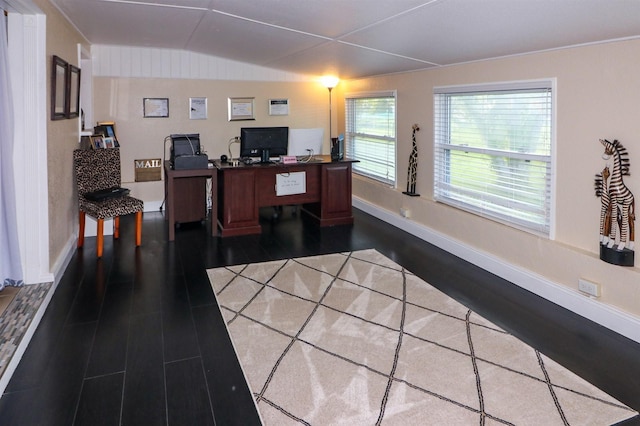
point(186, 153)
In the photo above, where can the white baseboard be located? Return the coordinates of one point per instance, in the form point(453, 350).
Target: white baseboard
point(605, 315)
point(153, 206)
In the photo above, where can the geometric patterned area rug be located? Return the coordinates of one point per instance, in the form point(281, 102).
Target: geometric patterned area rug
point(355, 339)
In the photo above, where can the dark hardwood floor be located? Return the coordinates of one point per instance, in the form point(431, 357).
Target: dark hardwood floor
point(136, 338)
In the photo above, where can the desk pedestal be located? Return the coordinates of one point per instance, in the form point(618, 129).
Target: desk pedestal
point(242, 190)
point(185, 194)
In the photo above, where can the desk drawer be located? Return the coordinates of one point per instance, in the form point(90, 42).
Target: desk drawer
point(236, 190)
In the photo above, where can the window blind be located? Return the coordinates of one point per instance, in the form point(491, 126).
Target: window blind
point(370, 135)
point(493, 152)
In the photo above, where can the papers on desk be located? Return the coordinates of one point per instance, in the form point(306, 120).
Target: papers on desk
point(291, 183)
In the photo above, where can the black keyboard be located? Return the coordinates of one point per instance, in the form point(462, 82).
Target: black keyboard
point(105, 194)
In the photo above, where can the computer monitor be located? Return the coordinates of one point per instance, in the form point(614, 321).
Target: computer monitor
point(264, 142)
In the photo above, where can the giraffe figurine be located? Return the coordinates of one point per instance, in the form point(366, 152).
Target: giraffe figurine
point(621, 199)
point(412, 172)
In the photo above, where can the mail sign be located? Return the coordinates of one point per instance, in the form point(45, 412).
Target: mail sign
point(148, 170)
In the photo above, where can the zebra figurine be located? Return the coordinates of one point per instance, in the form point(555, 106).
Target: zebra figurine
point(621, 199)
point(602, 191)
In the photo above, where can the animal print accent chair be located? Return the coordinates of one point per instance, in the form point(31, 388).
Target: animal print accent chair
point(98, 169)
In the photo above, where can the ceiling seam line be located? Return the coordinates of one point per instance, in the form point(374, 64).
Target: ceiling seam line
point(388, 53)
point(141, 3)
point(271, 25)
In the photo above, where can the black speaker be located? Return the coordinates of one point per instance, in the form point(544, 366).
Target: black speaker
point(337, 149)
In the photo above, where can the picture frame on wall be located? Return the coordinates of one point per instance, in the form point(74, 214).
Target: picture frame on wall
point(241, 109)
point(197, 108)
point(278, 106)
point(59, 70)
point(155, 107)
point(73, 92)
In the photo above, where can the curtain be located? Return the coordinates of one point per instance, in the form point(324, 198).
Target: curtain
point(10, 264)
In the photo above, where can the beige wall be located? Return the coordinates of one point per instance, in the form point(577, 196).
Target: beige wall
point(598, 96)
point(120, 100)
point(62, 137)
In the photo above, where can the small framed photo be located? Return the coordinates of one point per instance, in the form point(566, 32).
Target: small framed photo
point(241, 109)
point(97, 141)
point(155, 107)
point(278, 106)
point(197, 108)
point(109, 142)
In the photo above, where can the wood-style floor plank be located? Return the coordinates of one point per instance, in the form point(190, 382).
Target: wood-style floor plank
point(137, 338)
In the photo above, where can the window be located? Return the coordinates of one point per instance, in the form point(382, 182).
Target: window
point(493, 146)
point(371, 134)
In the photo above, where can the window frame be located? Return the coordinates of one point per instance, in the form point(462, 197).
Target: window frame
point(349, 134)
point(442, 144)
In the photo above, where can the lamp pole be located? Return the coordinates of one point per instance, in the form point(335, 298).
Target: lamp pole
point(330, 82)
point(330, 114)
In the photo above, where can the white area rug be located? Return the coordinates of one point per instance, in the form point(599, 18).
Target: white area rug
point(354, 339)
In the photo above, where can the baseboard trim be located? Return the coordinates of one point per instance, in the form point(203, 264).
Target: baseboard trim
point(605, 315)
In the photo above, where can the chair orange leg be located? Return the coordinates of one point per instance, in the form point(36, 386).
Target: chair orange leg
point(116, 227)
point(81, 219)
point(138, 228)
point(100, 237)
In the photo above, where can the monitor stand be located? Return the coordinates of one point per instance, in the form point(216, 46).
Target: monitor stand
point(265, 156)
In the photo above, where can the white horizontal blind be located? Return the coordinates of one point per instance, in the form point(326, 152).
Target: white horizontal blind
point(493, 152)
point(370, 134)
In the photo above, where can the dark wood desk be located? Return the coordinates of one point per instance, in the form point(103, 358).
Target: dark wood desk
point(243, 189)
point(185, 194)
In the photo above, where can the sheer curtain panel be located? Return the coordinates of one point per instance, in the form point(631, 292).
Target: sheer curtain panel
point(10, 264)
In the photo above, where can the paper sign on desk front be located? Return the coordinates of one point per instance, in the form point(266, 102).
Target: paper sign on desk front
point(291, 183)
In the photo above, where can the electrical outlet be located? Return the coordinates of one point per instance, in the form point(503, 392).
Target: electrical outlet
point(589, 287)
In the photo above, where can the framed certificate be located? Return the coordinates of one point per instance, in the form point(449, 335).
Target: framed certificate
point(278, 106)
point(241, 109)
point(155, 107)
point(197, 108)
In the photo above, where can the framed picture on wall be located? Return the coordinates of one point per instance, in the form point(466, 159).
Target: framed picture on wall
point(59, 70)
point(241, 109)
point(197, 108)
point(155, 107)
point(73, 92)
point(278, 106)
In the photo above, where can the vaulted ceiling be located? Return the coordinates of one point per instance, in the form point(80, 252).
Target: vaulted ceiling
point(354, 38)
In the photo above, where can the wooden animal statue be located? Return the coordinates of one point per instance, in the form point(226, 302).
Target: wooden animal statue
point(412, 172)
point(602, 191)
point(621, 199)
